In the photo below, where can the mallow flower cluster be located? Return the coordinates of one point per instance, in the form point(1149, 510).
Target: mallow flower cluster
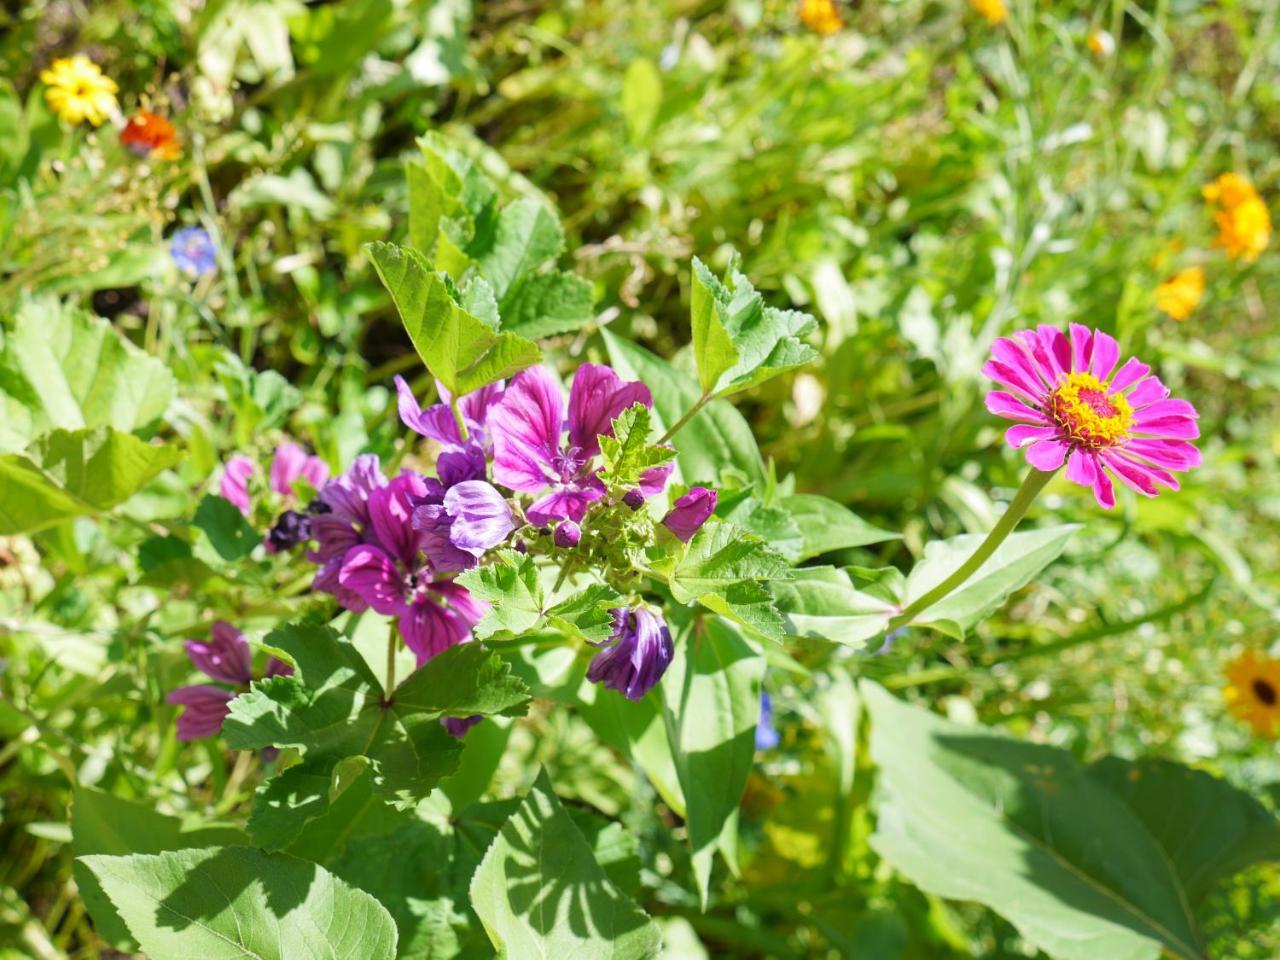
point(225, 659)
point(515, 466)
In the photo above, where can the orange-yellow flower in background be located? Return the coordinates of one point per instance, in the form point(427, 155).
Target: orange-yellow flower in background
point(79, 91)
point(820, 16)
point(1179, 295)
point(1101, 43)
point(1244, 223)
point(994, 10)
point(150, 135)
point(1252, 692)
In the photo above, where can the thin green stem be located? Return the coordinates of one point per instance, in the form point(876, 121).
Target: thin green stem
point(457, 415)
point(391, 660)
point(1034, 482)
point(688, 415)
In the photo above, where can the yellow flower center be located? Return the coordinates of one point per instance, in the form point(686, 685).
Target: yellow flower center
point(1088, 412)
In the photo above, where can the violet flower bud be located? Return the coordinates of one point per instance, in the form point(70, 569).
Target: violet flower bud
point(567, 534)
point(458, 726)
point(633, 498)
point(293, 528)
point(690, 512)
point(635, 657)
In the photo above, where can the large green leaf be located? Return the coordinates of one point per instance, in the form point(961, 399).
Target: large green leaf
point(1208, 828)
point(1011, 567)
point(230, 903)
point(64, 368)
point(824, 602)
point(105, 824)
point(463, 352)
point(336, 709)
point(548, 304)
point(73, 473)
point(971, 814)
point(715, 440)
point(525, 236)
point(826, 525)
point(540, 892)
point(711, 694)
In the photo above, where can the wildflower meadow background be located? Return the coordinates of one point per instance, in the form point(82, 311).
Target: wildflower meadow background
point(599, 479)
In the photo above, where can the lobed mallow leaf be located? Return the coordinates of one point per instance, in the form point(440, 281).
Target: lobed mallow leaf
point(737, 340)
point(462, 351)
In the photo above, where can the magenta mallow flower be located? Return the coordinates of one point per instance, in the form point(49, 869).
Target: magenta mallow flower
point(1074, 407)
point(225, 657)
point(690, 512)
point(531, 453)
point(636, 655)
point(458, 459)
point(289, 464)
point(373, 555)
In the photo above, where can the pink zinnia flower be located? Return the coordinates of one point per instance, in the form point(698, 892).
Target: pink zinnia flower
point(1071, 409)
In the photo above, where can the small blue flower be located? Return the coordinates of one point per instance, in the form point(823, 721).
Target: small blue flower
point(767, 737)
point(193, 251)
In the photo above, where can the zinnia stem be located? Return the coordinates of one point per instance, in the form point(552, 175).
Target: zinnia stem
point(1032, 484)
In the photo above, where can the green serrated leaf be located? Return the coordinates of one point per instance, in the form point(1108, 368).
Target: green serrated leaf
point(526, 235)
point(823, 602)
point(74, 473)
point(225, 526)
point(725, 570)
point(540, 892)
point(586, 614)
point(239, 902)
point(628, 454)
point(548, 304)
point(825, 526)
point(511, 587)
point(463, 352)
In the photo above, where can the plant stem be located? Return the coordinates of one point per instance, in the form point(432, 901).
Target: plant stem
point(1032, 484)
point(457, 415)
point(391, 661)
point(688, 415)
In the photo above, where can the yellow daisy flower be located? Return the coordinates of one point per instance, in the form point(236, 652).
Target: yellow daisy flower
point(1178, 296)
point(78, 90)
point(820, 16)
point(994, 10)
point(1252, 692)
point(1244, 223)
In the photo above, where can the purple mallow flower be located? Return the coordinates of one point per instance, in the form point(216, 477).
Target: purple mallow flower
point(225, 657)
point(767, 736)
point(289, 464)
point(372, 554)
point(635, 657)
point(531, 453)
point(471, 518)
point(193, 251)
point(690, 512)
point(458, 460)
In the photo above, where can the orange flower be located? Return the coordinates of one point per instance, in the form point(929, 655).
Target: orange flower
point(1179, 295)
point(994, 10)
point(150, 135)
point(1244, 223)
point(1253, 692)
point(820, 16)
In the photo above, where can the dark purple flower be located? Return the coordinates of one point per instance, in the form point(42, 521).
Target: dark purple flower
point(567, 534)
point(458, 726)
point(290, 530)
point(636, 656)
point(767, 736)
point(471, 518)
point(690, 512)
point(633, 498)
point(531, 454)
point(204, 708)
point(225, 656)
